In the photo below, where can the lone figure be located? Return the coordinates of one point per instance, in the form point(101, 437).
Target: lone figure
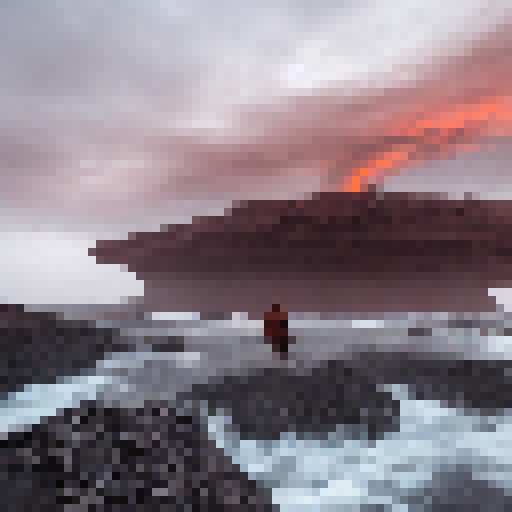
point(276, 330)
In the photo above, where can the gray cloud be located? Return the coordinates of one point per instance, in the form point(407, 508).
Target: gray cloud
point(91, 82)
point(127, 112)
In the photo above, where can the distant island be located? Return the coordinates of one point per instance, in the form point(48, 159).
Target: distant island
point(368, 251)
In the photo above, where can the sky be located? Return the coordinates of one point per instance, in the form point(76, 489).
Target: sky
point(124, 116)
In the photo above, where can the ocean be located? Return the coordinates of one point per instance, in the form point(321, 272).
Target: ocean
point(446, 448)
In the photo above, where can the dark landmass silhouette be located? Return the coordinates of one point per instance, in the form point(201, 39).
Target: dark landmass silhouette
point(368, 251)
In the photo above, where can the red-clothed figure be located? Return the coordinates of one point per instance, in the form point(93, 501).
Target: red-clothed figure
point(276, 330)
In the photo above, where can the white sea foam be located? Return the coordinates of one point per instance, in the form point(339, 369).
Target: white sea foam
point(37, 401)
point(341, 474)
point(345, 474)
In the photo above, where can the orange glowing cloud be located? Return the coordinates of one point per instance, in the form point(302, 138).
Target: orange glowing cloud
point(349, 139)
point(324, 139)
point(429, 135)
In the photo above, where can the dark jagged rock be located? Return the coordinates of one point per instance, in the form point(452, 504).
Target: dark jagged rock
point(269, 402)
point(39, 347)
point(484, 386)
point(456, 489)
point(98, 458)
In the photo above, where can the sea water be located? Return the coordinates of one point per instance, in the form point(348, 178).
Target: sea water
point(345, 472)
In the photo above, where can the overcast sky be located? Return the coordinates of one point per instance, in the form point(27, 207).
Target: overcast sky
point(111, 116)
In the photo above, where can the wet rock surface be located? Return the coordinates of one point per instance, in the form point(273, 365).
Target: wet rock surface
point(481, 386)
point(161, 457)
point(116, 459)
point(39, 347)
point(264, 404)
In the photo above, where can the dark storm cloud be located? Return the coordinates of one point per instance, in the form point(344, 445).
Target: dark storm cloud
point(110, 106)
point(333, 252)
point(81, 81)
point(122, 112)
